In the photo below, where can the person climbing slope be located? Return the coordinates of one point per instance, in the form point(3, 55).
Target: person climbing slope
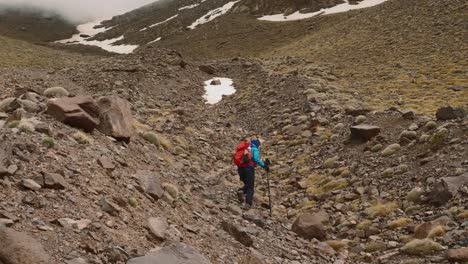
point(247, 157)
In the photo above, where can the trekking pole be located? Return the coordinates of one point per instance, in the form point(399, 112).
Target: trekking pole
point(267, 162)
point(269, 193)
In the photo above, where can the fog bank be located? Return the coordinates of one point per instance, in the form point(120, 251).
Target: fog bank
point(77, 11)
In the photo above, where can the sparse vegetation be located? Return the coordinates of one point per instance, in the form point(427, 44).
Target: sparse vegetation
point(13, 124)
point(48, 142)
point(399, 223)
point(82, 138)
point(382, 209)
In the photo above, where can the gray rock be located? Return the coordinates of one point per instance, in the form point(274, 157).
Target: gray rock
point(116, 118)
point(158, 227)
point(108, 206)
point(238, 232)
point(31, 184)
point(106, 163)
point(364, 132)
point(179, 253)
point(448, 113)
point(52, 181)
point(311, 225)
point(80, 111)
point(19, 248)
point(77, 261)
point(149, 184)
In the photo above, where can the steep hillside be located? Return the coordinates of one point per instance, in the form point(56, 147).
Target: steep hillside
point(399, 52)
point(14, 53)
point(33, 25)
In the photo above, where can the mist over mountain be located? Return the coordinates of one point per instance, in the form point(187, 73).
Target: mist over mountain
point(75, 11)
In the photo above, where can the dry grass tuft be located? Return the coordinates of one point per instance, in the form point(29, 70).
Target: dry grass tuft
point(382, 209)
point(399, 223)
point(82, 138)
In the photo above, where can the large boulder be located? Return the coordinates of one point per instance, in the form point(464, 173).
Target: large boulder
point(179, 253)
point(19, 248)
point(458, 254)
point(364, 132)
point(446, 188)
point(311, 225)
point(448, 113)
point(116, 117)
point(80, 111)
point(150, 184)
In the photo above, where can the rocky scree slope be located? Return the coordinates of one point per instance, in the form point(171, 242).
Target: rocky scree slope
point(85, 196)
point(399, 52)
point(399, 196)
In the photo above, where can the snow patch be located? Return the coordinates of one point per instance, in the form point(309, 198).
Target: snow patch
point(159, 23)
point(189, 7)
point(213, 14)
point(156, 40)
point(88, 30)
point(215, 91)
point(325, 11)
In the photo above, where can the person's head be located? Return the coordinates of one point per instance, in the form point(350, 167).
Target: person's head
point(255, 142)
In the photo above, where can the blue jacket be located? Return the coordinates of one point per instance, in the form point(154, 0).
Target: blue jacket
point(256, 156)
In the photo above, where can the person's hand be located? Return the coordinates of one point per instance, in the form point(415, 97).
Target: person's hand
point(267, 162)
point(267, 168)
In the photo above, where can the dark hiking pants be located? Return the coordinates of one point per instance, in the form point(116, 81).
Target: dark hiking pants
point(247, 176)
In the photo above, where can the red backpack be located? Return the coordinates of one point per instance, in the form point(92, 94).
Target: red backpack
point(243, 155)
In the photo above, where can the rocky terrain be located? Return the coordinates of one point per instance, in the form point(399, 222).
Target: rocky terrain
point(118, 159)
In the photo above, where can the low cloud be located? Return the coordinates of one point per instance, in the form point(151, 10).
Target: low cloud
point(77, 11)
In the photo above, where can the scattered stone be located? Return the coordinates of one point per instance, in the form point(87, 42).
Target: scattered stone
point(52, 181)
point(422, 247)
point(364, 132)
point(9, 105)
point(31, 184)
point(158, 227)
point(77, 261)
point(210, 69)
point(6, 222)
point(56, 92)
point(390, 150)
point(115, 118)
point(179, 253)
point(108, 206)
point(458, 254)
point(19, 248)
point(311, 225)
point(407, 114)
point(446, 188)
point(238, 232)
point(253, 258)
point(215, 82)
point(150, 184)
point(449, 113)
point(106, 163)
point(80, 111)
point(234, 209)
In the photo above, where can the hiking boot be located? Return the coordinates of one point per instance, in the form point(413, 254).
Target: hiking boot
point(240, 196)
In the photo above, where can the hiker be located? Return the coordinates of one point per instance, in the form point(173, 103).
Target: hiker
point(247, 157)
